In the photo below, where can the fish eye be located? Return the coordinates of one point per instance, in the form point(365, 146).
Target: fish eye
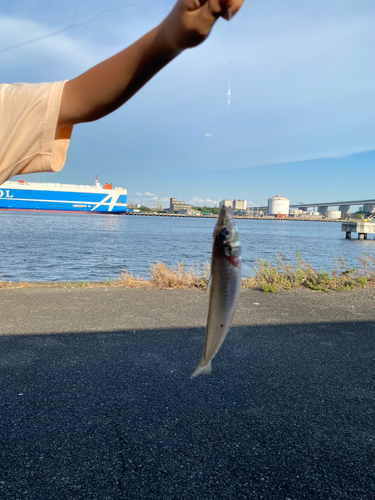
point(224, 233)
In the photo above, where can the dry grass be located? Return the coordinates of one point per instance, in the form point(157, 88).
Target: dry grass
point(127, 280)
point(163, 277)
point(268, 277)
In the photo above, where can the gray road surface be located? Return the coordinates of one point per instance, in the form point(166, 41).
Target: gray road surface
point(96, 400)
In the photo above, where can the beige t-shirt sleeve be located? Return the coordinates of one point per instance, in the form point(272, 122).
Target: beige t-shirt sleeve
point(28, 120)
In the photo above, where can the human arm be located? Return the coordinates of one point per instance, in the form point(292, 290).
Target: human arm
point(107, 86)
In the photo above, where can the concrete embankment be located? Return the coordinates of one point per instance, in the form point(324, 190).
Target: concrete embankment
point(96, 400)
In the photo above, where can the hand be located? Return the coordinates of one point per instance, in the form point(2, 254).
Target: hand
point(191, 21)
point(108, 85)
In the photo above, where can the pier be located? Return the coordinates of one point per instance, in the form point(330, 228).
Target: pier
point(362, 228)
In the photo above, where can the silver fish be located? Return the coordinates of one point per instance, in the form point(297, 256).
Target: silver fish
point(225, 287)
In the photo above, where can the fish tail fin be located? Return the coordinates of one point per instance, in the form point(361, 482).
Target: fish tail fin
point(203, 370)
point(208, 283)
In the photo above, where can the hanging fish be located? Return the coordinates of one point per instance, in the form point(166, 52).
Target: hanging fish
point(225, 287)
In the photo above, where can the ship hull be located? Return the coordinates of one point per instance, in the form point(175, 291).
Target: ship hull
point(54, 198)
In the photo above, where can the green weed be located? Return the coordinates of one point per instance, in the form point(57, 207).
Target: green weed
point(284, 275)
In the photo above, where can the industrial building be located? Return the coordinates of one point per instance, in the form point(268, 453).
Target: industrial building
point(278, 205)
point(333, 214)
point(239, 204)
point(235, 204)
point(176, 206)
point(226, 203)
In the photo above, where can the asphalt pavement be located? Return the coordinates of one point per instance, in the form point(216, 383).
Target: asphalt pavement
point(96, 400)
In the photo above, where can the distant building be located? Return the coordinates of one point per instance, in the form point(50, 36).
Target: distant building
point(189, 212)
point(176, 206)
point(278, 205)
point(239, 204)
point(333, 214)
point(226, 203)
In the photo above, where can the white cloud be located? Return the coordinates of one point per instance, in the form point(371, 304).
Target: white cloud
point(148, 199)
point(196, 201)
point(148, 195)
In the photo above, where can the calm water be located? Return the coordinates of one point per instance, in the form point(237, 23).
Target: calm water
point(73, 247)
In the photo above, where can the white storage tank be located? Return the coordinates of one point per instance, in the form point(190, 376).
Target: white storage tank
point(333, 214)
point(278, 205)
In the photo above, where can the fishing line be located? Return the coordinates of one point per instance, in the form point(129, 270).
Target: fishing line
point(72, 25)
point(229, 66)
point(76, 11)
point(229, 79)
point(229, 128)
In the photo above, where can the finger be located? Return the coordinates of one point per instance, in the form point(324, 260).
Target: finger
point(215, 8)
point(221, 8)
point(230, 8)
point(194, 4)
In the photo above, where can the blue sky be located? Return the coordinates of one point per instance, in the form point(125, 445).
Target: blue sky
point(301, 121)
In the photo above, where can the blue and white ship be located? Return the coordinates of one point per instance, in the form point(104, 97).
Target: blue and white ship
point(48, 197)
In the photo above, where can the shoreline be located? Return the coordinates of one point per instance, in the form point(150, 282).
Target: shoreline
point(76, 285)
point(283, 275)
point(214, 216)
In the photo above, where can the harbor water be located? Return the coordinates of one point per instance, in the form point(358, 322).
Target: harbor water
point(78, 247)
